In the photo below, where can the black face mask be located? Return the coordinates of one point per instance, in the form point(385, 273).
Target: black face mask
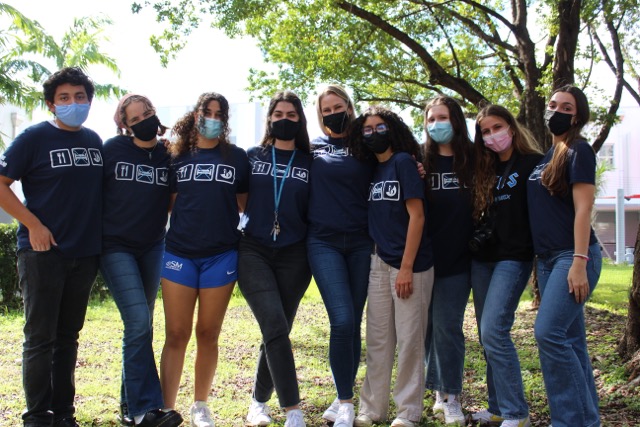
point(284, 129)
point(377, 143)
point(557, 122)
point(147, 129)
point(337, 122)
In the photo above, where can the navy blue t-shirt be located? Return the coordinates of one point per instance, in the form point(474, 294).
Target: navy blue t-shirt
point(552, 217)
point(61, 175)
point(511, 233)
point(339, 189)
point(450, 220)
point(394, 182)
point(204, 219)
point(136, 195)
point(294, 200)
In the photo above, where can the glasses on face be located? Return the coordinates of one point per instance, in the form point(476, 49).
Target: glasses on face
point(381, 129)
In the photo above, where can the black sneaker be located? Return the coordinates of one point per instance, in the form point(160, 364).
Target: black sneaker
point(159, 418)
point(124, 417)
point(66, 422)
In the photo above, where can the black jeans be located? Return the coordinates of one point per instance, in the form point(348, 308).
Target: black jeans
point(273, 281)
point(56, 292)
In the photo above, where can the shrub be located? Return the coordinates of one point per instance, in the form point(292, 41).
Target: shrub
point(10, 298)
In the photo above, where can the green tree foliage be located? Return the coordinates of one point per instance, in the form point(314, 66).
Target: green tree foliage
point(404, 52)
point(26, 49)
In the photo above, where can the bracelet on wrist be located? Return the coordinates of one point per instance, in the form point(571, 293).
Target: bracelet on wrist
point(585, 257)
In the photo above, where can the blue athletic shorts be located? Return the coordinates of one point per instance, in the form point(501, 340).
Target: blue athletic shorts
point(200, 273)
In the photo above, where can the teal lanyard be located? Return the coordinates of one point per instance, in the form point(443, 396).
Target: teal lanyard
point(277, 193)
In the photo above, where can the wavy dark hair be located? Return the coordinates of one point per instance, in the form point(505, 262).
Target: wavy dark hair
point(72, 75)
point(122, 113)
point(302, 137)
point(460, 143)
point(554, 173)
point(402, 139)
point(484, 181)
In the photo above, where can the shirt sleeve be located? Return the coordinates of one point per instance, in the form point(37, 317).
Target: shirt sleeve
point(582, 164)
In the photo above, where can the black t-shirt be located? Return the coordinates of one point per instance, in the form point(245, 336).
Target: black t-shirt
point(553, 217)
point(294, 199)
point(511, 233)
point(136, 195)
point(450, 222)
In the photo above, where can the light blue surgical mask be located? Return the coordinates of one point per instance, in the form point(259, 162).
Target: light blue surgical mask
point(441, 132)
point(209, 128)
point(73, 115)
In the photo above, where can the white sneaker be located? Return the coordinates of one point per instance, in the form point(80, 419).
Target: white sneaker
point(485, 417)
point(453, 411)
point(200, 415)
point(258, 414)
point(363, 420)
point(402, 422)
point(345, 416)
point(294, 419)
point(332, 411)
point(438, 406)
point(524, 422)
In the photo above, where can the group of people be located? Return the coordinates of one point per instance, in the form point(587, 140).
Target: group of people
point(351, 208)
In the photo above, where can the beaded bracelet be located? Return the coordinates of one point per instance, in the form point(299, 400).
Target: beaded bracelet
point(581, 256)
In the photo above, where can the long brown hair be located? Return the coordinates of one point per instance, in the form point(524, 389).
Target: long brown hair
point(554, 173)
point(186, 128)
point(460, 143)
point(302, 137)
point(484, 181)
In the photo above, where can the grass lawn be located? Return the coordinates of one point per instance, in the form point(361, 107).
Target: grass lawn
point(98, 371)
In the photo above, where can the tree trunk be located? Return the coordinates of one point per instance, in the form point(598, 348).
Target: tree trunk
point(630, 341)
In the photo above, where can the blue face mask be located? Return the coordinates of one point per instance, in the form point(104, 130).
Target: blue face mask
point(210, 128)
point(441, 132)
point(73, 115)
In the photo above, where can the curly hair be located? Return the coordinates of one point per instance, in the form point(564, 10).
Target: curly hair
point(187, 131)
point(484, 181)
point(302, 137)
point(122, 113)
point(72, 75)
point(554, 173)
point(460, 143)
point(401, 137)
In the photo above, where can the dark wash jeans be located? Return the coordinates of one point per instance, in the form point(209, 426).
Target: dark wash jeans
point(340, 264)
point(56, 292)
point(273, 281)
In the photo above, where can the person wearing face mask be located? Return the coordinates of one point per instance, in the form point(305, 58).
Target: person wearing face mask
point(339, 246)
point(505, 155)
point(561, 192)
point(200, 264)
point(136, 196)
point(273, 270)
point(401, 276)
point(448, 159)
point(59, 163)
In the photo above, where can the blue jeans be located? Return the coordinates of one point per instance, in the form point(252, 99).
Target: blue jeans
point(340, 265)
point(444, 345)
point(562, 343)
point(273, 281)
point(133, 280)
point(56, 292)
point(497, 288)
